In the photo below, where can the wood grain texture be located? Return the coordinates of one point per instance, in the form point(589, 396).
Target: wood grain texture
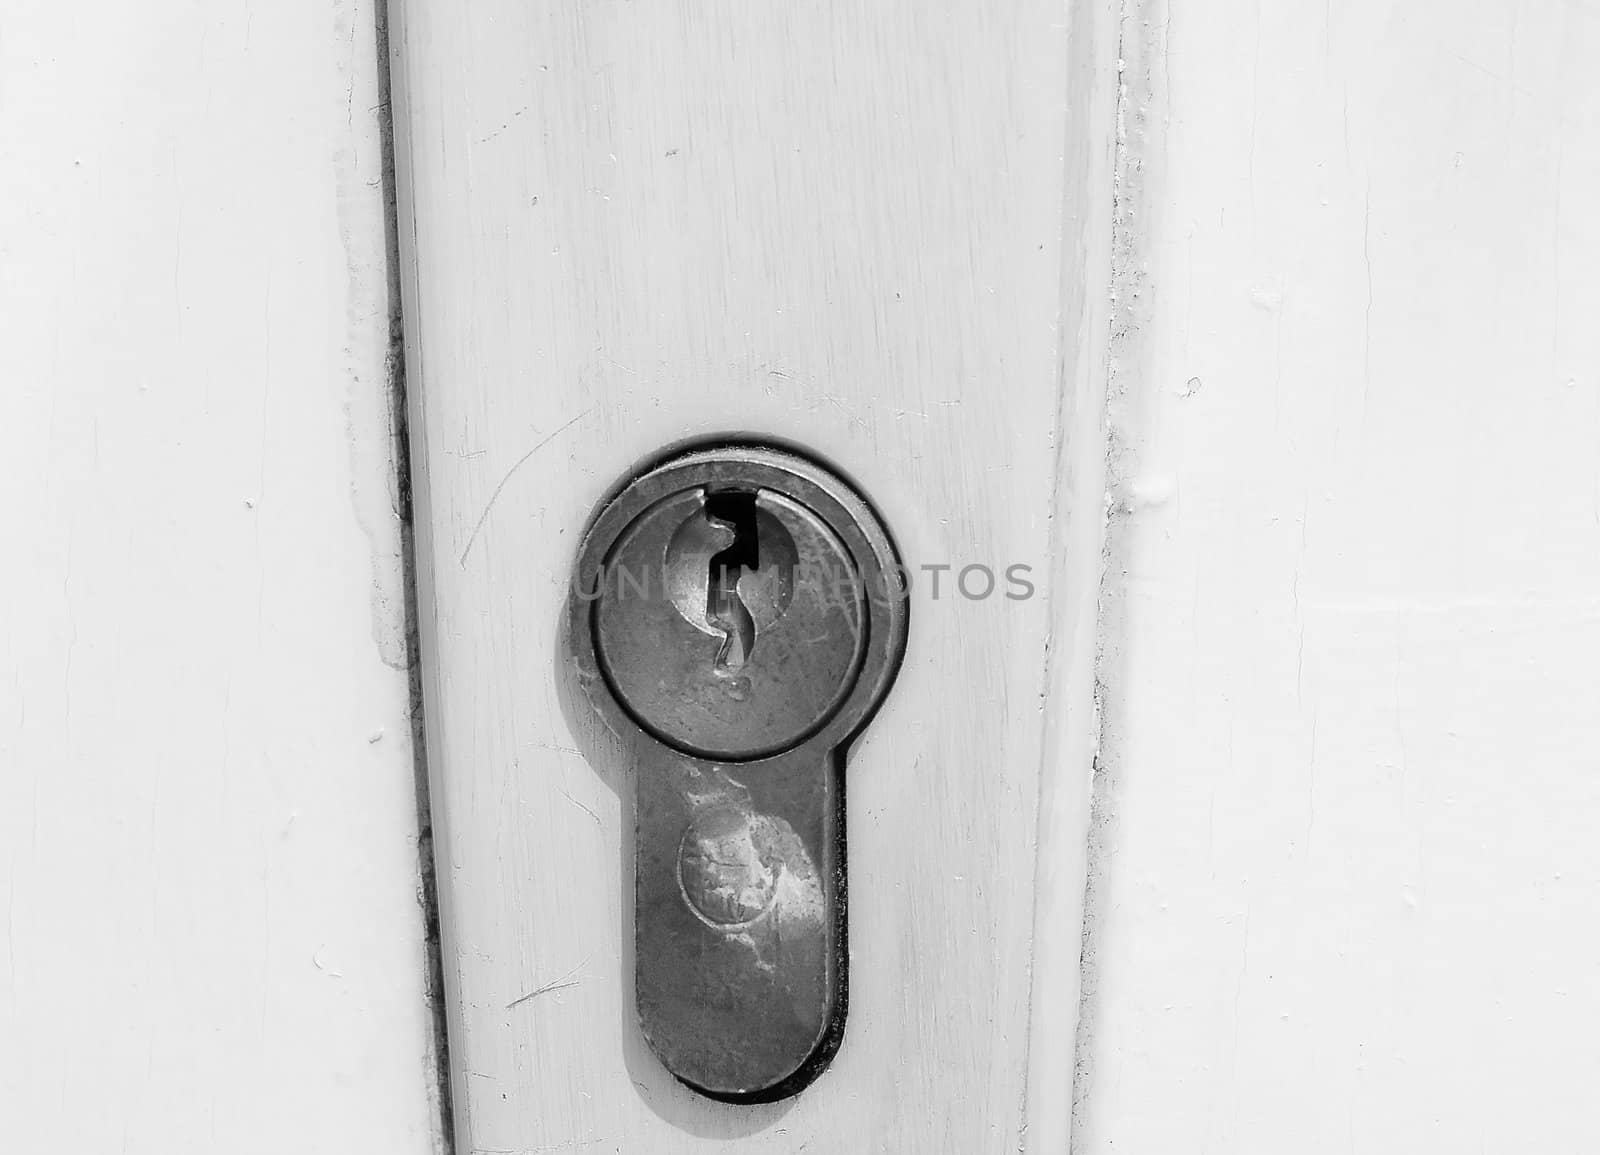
point(208, 861)
point(1346, 868)
point(863, 228)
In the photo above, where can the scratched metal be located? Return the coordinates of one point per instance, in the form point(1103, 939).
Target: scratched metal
point(662, 646)
point(734, 620)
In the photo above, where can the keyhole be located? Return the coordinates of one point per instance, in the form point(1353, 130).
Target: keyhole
point(725, 609)
point(730, 572)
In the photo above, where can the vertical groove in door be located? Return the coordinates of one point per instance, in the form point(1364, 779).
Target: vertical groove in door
point(1135, 62)
point(848, 227)
point(1077, 520)
point(438, 1059)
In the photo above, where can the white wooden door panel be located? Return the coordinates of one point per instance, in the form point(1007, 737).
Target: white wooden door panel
point(862, 228)
point(208, 825)
point(1333, 263)
point(1345, 869)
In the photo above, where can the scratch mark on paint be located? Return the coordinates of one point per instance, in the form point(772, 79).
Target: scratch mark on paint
point(560, 984)
point(583, 808)
point(1366, 339)
point(513, 117)
point(495, 496)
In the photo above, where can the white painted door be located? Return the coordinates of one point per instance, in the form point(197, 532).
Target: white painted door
point(876, 231)
point(1345, 871)
point(210, 939)
point(1330, 682)
point(1261, 334)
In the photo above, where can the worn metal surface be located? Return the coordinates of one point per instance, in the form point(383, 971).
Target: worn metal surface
point(736, 618)
point(724, 660)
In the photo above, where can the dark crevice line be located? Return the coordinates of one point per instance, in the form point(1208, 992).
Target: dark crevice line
point(1125, 191)
point(400, 452)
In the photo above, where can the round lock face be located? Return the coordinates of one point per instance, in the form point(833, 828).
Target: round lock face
point(729, 622)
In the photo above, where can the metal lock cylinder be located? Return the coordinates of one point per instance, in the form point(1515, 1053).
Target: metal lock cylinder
point(736, 620)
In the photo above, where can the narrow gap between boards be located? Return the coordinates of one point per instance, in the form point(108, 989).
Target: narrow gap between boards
point(438, 1056)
